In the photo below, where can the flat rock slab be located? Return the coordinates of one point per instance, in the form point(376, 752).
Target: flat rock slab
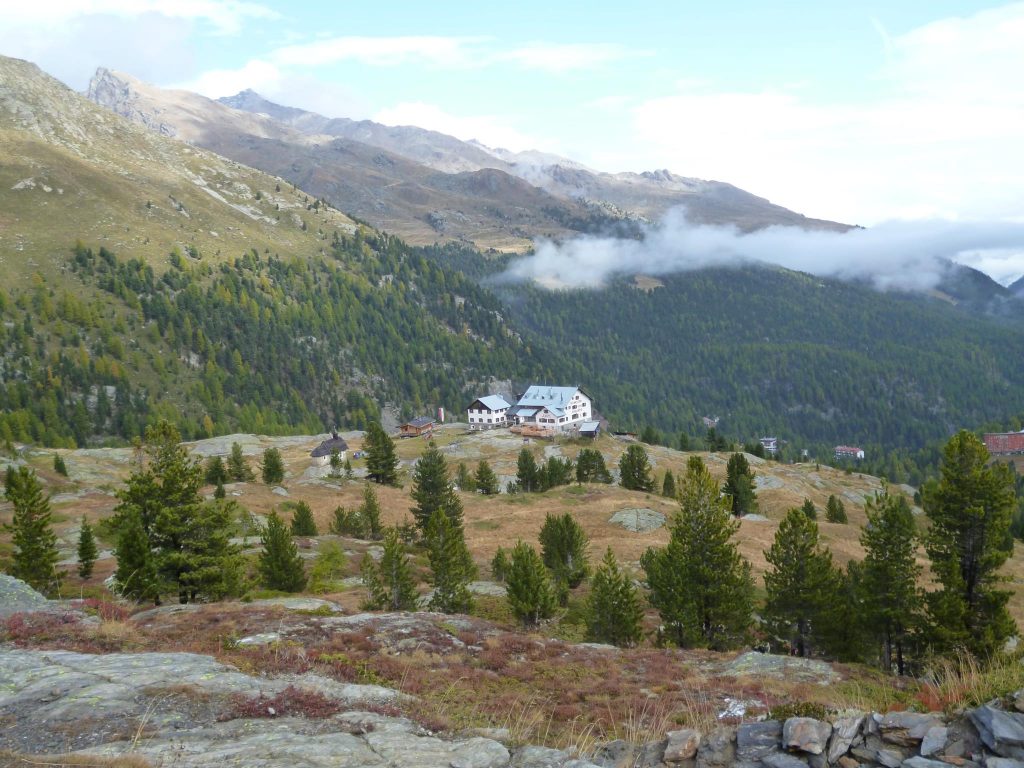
point(782, 667)
point(301, 603)
point(638, 519)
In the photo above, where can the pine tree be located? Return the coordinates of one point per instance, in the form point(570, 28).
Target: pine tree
point(87, 552)
point(564, 549)
point(238, 467)
point(739, 485)
point(450, 563)
point(970, 510)
point(528, 587)
point(803, 585)
point(369, 513)
point(499, 565)
point(272, 467)
point(214, 472)
point(35, 543)
point(527, 474)
point(668, 485)
point(381, 461)
point(431, 488)
point(280, 566)
point(835, 511)
point(303, 523)
point(390, 583)
point(635, 470)
point(554, 473)
point(808, 509)
point(348, 523)
point(888, 581)
point(59, 466)
point(335, 462)
point(464, 480)
point(590, 467)
point(219, 492)
point(614, 612)
point(136, 577)
point(486, 480)
point(699, 583)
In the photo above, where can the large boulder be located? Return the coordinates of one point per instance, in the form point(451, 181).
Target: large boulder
point(1002, 732)
point(16, 597)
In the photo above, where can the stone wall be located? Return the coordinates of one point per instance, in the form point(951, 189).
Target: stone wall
point(990, 736)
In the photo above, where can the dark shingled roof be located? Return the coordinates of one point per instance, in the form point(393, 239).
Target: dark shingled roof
point(327, 447)
point(419, 422)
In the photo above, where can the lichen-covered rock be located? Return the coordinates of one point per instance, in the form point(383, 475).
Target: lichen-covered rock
point(755, 740)
point(682, 745)
point(17, 596)
point(717, 749)
point(845, 730)
point(805, 734)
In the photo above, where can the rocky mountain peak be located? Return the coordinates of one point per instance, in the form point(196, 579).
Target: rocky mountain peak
point(120, 94)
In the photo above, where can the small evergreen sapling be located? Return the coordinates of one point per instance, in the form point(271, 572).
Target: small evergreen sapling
point(809, 510)
point(136, 576)
point(87, 552)
point(303, 523)
point(614, 612)
point(238, 468)
point(272, 467)
point(564, 549)
point(668, 485)
point(529, 590)
point(635, 470)
point(390, 584)
point(835, 511)
point(280, 566)
point(451, 565)
point(59, 466)
point(35, 543)
point(486, 480)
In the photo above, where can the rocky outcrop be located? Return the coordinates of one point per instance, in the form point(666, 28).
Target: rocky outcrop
point(182, 709)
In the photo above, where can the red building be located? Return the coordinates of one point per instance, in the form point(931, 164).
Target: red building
point(1004, 442)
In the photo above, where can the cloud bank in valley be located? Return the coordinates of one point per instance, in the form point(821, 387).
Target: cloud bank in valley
point(892, 255)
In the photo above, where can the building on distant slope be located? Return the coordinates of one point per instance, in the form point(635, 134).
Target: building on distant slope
point(559, 409)
point(590, 429)
point(418, 426)
point(849, 452)
point(1003, 443)
point(710, 421)
point(489, 412)
point(321, 455)
point(770, 445)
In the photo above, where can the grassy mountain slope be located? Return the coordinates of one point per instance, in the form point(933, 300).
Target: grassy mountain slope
point(71, 170)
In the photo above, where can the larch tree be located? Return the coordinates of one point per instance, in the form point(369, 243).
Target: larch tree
point(35, 544)
point(700, 584)
point(635, 470)
point(390, 583)
point(739, 485)
point(804, 586)
point(891, 599)
point(614, 613)
point(970, 510)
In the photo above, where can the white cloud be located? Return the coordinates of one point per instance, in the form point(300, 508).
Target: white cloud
point(564, 57)
point(943, 139)
point(899, 255)
point(261, 76)
point(492, 130)
point(380, 51)
point(225, 16)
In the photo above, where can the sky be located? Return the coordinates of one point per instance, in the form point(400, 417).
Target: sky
point(862, 112)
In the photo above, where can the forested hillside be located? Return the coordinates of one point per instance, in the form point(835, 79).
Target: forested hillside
point(260, 343)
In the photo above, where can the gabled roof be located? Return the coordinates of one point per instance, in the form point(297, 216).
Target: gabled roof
point(491, 402)
point(419, 422)
point(555, 399)
point(329, 446)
